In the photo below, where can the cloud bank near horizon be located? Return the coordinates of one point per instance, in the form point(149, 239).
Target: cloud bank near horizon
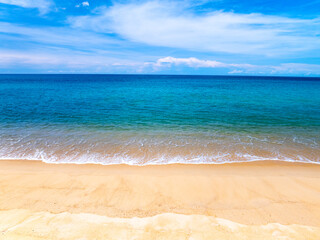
point(293, 68)
point(86, 63)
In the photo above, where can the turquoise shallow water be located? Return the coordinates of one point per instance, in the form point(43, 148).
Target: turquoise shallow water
point(141, 119)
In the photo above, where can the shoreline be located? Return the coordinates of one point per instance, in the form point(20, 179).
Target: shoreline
point(21, 164)
point(253, 194)
point(276, 161)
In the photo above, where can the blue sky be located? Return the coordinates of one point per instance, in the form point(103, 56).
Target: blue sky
point(274, 37)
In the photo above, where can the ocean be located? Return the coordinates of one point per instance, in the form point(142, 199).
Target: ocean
point(159, 119)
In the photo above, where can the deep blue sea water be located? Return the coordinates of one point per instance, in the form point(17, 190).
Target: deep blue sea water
point(145, 119)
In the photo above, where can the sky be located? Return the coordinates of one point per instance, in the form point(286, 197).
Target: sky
point(222, 37)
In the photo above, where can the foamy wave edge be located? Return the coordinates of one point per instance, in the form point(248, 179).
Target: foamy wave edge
point(159, 163)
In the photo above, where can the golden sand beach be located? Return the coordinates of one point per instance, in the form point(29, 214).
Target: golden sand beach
point(258, 200)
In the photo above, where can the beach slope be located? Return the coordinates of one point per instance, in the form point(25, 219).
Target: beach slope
point(258, 200)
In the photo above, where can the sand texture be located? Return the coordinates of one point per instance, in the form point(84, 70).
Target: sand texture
point(265, 200)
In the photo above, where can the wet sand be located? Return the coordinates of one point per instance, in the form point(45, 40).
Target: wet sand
point(260, 200)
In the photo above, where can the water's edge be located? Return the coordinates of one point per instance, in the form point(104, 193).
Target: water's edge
point(160, 164)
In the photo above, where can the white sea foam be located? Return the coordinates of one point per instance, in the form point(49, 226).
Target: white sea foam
point(155, 148)
point(92, 159)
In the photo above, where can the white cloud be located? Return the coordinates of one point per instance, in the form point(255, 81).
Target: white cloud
point(235, 72)
point(170, 25)
point(63, 60)
point(307, 69)
point(235, 68)
point(7, 58)
point(197, 63)
point(55, 36)
point(191, 62)
point(47, 47)
point(42, 5)
point(83, 4)
point(71, 61)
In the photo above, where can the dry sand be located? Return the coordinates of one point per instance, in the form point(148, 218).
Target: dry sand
point(261, 200)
